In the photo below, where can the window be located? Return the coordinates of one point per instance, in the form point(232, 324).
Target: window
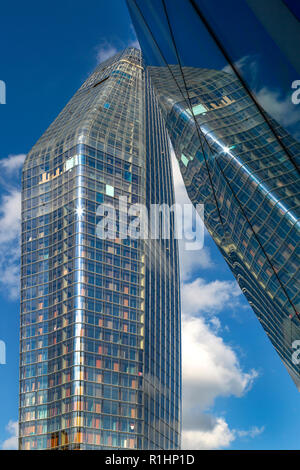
point(110, 190)
point(184, 159)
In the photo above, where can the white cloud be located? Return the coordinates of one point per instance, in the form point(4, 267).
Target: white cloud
point(10, 216)
point(10, 225)
point(12, 163)
point(210, 297)
point(211, 369)
point(135, 43)
point(279, 106)
point(217, 437)
point(105, 50)
point(11, 443)
point(108, 48)
point(252, 432)
point(249, 63)
point(191, 262)
point(277, 103)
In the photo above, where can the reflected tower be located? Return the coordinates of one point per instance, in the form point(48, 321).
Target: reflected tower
point(235, 158)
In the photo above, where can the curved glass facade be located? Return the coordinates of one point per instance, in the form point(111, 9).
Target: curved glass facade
point(90, 322)
point(235, 157)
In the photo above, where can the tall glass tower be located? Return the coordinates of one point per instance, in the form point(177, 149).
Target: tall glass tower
point(100, 362)
point(234, 156)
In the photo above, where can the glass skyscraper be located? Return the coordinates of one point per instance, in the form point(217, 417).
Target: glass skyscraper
point(100, 361)
point(236, 157)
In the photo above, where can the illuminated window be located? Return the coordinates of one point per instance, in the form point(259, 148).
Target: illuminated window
point(110, 191)
point(198, 109)
point(184, 159)
point(71, 162)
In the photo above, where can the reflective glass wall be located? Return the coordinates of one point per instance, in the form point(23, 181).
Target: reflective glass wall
point(162, 320)
point(224, 79)
point(85, 329)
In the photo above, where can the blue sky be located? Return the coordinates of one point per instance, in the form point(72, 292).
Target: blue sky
point(242, 396)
